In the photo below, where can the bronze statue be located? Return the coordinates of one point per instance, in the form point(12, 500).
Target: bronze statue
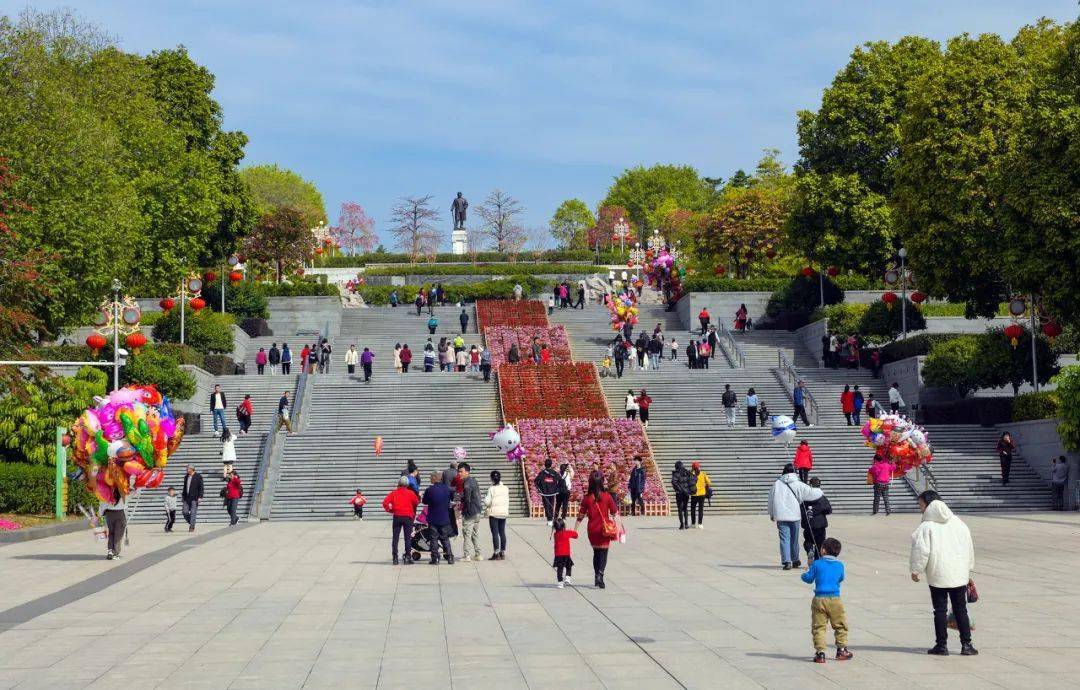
point(458, 207)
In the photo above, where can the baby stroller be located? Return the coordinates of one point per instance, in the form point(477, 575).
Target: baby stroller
point(422, 535)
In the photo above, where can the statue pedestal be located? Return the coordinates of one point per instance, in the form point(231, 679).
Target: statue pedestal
point(460, 242)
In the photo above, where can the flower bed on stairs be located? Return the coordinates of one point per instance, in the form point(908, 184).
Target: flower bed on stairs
point(500, 338)
point(500, 312)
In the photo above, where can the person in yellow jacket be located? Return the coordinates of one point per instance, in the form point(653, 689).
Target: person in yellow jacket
point(702, 490)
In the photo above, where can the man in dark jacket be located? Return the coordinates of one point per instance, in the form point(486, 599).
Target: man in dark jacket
point(691, 355)
point(619, 353)
point(683, 484)
point(464, 319)
point(815, 522)
point(437, 498)
point(729, 400)
point(218, 405)
point(273, 358)
point(471, 507)
point(548, 483)
point(449, 477)
point(636, 485)
point(714, 340)
point(191, 494)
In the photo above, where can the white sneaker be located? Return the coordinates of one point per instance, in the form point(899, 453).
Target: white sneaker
point(568, 582)
point(560, 585)
point(700, 526)
point(465, 559)
point(549, 523)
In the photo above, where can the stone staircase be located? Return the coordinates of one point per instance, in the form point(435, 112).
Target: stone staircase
point(590, 332)
point(204, 449)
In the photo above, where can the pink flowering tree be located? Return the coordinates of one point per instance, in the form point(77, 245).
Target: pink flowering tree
point(355, 230)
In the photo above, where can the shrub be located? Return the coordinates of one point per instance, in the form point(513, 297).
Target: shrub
point(379, 295)
point(243, 301)
point(953, 364)
point(161, 369)
point(149, 319)
point(580, 255)
point(1041, 405)
point(206, 331)
point(1068, 392)
point(881, 323)
point(843, 317)
point(914, 346)
point(954, 309)
point(182, 354)
point(28, 419)
point(299, 288)
point(221, 365)
point(1069, 340)
point(31, 490)
point(985, 361)
point(484, 269)
point(802, 295)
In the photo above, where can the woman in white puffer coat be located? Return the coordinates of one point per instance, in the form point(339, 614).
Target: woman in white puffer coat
point(497, 507)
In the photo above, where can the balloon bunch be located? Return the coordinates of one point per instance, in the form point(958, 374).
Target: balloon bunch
point(899, 440)
point(125, 441)
point(623, 310)
point(664, 273)
point(783, 428)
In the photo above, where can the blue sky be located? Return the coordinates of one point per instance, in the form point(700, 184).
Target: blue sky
point(546, 100)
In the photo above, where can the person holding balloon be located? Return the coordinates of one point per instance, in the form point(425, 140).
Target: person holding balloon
point(115, 512)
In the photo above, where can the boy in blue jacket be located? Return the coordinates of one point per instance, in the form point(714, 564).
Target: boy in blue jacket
point(827, 573)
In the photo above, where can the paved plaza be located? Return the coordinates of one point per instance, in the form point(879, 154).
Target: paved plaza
point(289, 605)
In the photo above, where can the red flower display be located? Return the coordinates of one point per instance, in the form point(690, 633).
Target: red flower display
point(553, 391)
point(500, 338)
point(496, 312)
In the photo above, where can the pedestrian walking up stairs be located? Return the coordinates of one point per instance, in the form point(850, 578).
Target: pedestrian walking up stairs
point(380, 328)
point(203, 450)
point(419, 416)
point(760, 348)
point(590, 333)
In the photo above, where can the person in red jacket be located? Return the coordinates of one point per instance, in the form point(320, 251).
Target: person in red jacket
point(562, 537)
point(804, 461)
point(847, 403)
point(600, 508)
point(643, 401)
point(401, 503)
point(243, 414)
point(406, 358)
point(703, 319)
point(357, 502)
point(233, 491)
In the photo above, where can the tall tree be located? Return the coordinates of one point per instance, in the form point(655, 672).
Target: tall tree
point(413, 223)
point(501, 224)
point(570, 222)
point(642, 190)
point(354, 229)
point(274, 187)
point(283, 239)
point(747, 223)
point(603, 232)
point(23, 289)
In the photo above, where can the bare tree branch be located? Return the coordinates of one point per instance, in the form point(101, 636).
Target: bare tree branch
point(413, 225)
point(499, 213)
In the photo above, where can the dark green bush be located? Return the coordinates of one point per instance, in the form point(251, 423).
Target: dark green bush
point(243, 300)
point(802, 295)
point(299, 288)
point(1041, 405)
point(953, 364)
point(707, 283)
point(881, 323)
point(379, 295)
point(161, 369)
point(914, 346)
point(31, 490)
point(206, 331)
point(220, 365)
point(484, 269)
point(582, 255)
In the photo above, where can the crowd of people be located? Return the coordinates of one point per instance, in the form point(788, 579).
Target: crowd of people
point(848, 351)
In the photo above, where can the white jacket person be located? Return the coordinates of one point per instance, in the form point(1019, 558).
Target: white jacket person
point(497, 501)
point(941, 547)
point(787, 496)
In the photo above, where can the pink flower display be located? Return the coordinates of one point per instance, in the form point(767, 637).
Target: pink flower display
point(500, 338)
point(584, 444)
point(8, 525)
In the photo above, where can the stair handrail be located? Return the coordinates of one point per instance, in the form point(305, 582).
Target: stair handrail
point(731, 347)
point(269, 452)
point(791, 378)
point(525, 484)
point(299, 409)
point(920, 479)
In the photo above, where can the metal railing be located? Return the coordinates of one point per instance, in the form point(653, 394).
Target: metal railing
point(731, 348)
point(920, 479)
point(790, 377)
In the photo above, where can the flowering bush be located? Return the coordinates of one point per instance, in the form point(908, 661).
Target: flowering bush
point(500, 338)
point(553, 391)
point(492, 312)
point(585, 444)
point(8, 525)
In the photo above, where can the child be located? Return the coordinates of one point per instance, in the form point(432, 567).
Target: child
point(827, 573)
point(674, 350)
point(170, 509)
point(562, 561)
point(605, 367)
point(763, 413)
point(814, 523)
point(551, 306)
point(358, 502)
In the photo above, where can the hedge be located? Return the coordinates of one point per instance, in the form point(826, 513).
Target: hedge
point(801, 295)
point(244, 300)
point(206, 331)
point(300, 288)
point(345, 261)
point(484, 269)
point(955, 309)
point(31, 490)
point(915, 346)
point(161, 369)
point(1041, 405)
point(706, 283)
point(379, 295)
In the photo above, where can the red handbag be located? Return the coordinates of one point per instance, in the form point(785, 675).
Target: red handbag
point(972, 593)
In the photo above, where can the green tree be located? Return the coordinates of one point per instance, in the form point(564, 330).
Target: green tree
point(274, 188)
point(642, 190)
point(570, 223)
point(746, 224)
point(1000, 364)
point(1068, 393)
point(281, 239)
point(28, 420)
point(953, 364)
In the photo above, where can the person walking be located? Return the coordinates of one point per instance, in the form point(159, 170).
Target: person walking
point(857, 405)
point(815, 522)
point(562, 500)
point(228, 453)
point(741, 316)
point(683, 484)
point(358, 501)
point(631, 404)
point(261, 359)
point(462, 359)
point(702, 490)
point(432, 324)
point(880, 473)
point(351, 358)
point(691, 355)
point(115, 514)
point(636, 487)
point(785, 509)
point(942, 550)
point(751, 407)
point(674, 345)
point(580, 295)
point(283, 414)
point(273, 358)
point(601, 511)
point(729, 400)
point(233, 491)
point(401, 503)
point(895, 400)
point(563, 562)
point(847, 403)
point(286, 359)
point(804, 460)
point(1005, 450)
point(619, 355)
point(703, 319)
point(190, 496)
point(1059, 479)
point(429, 357)
point(218, 405)
point(655, 350)
point(394, 300)
point(497, 507)
point(313, 360)
point(397, 357)
point(170, 508)
point(643, 402)
point(798, 400)
point(873, 408)
point(438, 497)
point(406, 358)
point(244, 412)
point(419, 301)
point(704, 354)
point(367, 359)
point(485, 363)
point(304, 353)
point(547, 485)
point(826, 350)
point(714, 342)
point(471, 507)
point(463, 318)
point(641, 347)
point(826, 574)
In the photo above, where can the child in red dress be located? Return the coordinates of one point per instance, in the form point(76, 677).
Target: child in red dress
point(562, 537)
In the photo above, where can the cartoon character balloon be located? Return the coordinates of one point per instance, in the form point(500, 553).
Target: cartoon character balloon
point(460, 453)
point(783, 428)
point(900, 440)
point(125, 441)
point(508, 441)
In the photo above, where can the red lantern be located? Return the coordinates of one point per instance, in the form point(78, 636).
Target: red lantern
point(209, 276)
point(235, 277)
point(721, 270)
point(1051, 329)
point(318, 250)
point(167, 304)
point(1013, 333)
point(889, 298)
point(197, 303)
point(918, 297)
point(95, 341)
point(833, 271)
point(135, 341)
point(771, 253)
point(300, 271)
point(328, 241)
point(807, 271)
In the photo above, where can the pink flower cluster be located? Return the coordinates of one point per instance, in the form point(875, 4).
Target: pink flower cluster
point(585, 444)
point(500, 338)
point(8, 525)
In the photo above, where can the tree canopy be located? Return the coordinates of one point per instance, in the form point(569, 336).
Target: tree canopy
point(642, 190)
point(570, 223)
point(274, 187)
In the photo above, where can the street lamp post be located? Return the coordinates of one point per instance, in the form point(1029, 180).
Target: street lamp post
point(183, 306)
point(1034, 354)
point(903, 292)
point(116, 286)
